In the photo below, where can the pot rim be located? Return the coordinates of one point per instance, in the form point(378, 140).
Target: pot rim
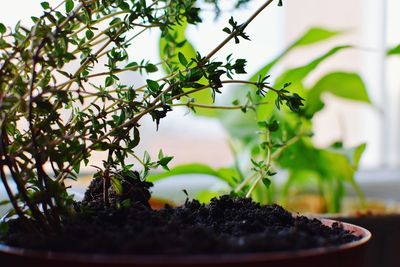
point(198, 258)
point(392, 204)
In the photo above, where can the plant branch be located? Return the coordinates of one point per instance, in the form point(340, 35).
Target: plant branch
point(234, 33)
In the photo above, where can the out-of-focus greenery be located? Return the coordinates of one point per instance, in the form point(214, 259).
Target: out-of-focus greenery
point(283, 136)
point(394, 51)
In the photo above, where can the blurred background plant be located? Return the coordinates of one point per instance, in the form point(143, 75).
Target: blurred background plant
point(267, 133)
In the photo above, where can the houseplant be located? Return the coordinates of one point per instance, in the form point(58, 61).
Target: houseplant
point(379, 216)
point(52, 120)
point(326, 170)
point(383, 222)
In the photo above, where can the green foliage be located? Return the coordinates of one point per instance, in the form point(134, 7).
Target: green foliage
point(175, 43)
point(163, 160)
point(69, 5)
point(45, 5)
point(2, 28)
point(394, 51)
point(283, 138)
point(303, 156)
point(237, 30)
point(242, 126)
point(117, 186)
point(4, 202)
point(310, 37)
point(315, 35)
point(341, 84)
point(224, 174)
point(38, 86)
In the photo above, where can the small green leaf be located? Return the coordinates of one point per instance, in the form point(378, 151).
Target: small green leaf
point(273, 126)
point(64, 73)
point(182, 59)
point(358, 152)
point(127, 203)
point(89, 34)
point(165, 161)
point(153, 85)
point(227, 30)
point(4, 202)
point(121, 118)
point(115, 21)
point(124, 6)
point(45, 5)
point(160, 154)
point(116, 184)
point(266, 182)
point(136, 138)
point(236, 102)
point(3, 28)
point(131, 65)
point(69, 5)
point(109, 81)
point(151, 68)
point(263, 124)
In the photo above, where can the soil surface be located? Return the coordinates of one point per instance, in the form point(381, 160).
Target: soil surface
point(226, 225)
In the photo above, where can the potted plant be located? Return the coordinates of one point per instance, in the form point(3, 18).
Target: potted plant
point(317, 177)
point(53, 119)
point(381, 217)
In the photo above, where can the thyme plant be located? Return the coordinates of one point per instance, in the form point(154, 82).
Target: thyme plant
point(52, 115)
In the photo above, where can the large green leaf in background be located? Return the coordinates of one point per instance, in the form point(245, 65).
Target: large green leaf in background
point(298, 74)
point(178, 35)
point(194, 168)
point(341, 84)
point(312, 36)
point(295, 76)
point(225, 174)
point(331, 168)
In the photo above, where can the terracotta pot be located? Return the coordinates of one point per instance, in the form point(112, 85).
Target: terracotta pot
point(159, 203)
point(347, 255)
point(382, 218)
point(383, 250)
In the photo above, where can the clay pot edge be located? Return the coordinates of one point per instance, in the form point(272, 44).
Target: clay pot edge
point(198, 258)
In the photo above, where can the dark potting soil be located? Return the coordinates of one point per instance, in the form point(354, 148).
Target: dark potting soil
point(226, 225)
